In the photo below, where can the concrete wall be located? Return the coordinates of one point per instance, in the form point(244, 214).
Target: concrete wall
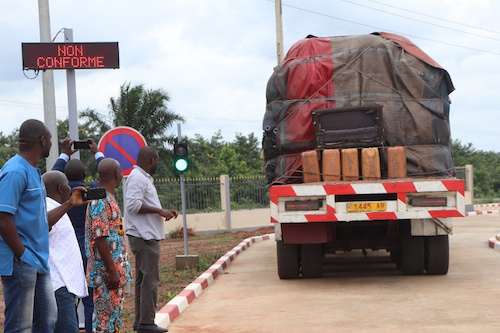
point(216, 222)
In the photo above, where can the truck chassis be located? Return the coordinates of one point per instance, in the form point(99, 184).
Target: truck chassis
point(411, 219)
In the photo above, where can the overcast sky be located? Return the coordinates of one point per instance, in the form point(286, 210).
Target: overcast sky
point(215, 57)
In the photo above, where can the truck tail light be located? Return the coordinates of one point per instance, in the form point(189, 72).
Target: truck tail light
point(303, 205)
point(429, 201)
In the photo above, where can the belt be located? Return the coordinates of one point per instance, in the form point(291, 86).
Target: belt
point(146, 240)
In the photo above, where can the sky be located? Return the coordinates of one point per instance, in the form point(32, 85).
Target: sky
point(214, 57)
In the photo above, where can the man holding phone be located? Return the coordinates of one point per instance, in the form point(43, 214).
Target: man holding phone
point(145, 217)
point(75, 171)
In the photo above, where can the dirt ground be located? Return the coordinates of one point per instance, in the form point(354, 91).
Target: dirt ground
point(172, 281)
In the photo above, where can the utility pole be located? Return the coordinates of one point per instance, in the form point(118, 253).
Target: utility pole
point(49, 96)
point(279, 31)
point(71, 88)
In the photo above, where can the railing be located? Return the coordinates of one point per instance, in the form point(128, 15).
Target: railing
point(204, 195)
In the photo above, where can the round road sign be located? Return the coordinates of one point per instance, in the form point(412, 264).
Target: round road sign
point(123, 144)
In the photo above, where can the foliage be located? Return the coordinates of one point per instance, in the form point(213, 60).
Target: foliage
point(214, 157)
point(486, 168)
point(8, 146)
point(147, 111)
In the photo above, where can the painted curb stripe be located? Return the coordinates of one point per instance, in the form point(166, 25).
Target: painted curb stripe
point(166, 315)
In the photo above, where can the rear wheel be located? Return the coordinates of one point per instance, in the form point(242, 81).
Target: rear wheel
point(437, 256)
point(312, 260)
point(412, 255)
point(288, 260)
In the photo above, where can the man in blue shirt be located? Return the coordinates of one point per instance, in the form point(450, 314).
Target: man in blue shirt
point(24, 231)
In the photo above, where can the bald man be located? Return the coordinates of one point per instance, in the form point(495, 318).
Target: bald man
point(24, 231)
point(66, 265)
point(145, 219)
point(108, 268)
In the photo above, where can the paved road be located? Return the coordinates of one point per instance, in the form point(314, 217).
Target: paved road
point(356, 294)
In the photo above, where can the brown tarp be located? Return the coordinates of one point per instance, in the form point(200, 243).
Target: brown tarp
point(333, 72)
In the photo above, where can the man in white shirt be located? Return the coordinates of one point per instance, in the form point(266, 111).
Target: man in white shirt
point(144, 223)
point(65, 261)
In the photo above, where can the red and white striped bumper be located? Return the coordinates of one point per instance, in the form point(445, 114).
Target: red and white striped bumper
point(331, 210)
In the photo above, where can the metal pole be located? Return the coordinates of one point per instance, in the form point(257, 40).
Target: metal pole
point(279, 31)
point(49, 96)
point(71, 89)
point(183, 200)
point(184, 221)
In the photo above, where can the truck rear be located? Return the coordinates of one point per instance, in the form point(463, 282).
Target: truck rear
point(357, 154)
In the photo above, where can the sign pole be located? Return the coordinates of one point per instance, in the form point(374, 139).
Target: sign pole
point(183, 200)
point(71, 89)
point(49, 96)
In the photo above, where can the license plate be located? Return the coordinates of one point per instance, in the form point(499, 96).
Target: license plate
point(366, 206)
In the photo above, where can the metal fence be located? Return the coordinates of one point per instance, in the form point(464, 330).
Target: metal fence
point(204, 195)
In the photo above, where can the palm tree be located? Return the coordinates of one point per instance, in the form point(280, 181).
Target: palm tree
point(145, 110)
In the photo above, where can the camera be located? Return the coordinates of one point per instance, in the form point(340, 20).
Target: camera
point(84, 144)
point(94, 193)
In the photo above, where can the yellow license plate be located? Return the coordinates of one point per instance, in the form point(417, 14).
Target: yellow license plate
point(366, 206)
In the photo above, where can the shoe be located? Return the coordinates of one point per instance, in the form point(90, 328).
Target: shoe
point(150, 328)
point(135, 326)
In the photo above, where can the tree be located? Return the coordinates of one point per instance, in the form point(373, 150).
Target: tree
point(203, 155)
point(486, 168)
point(8, 146)
point(145, 110)
point(248, 150)
point(229, 163)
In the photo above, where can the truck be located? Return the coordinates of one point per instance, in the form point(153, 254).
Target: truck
point(357, 154)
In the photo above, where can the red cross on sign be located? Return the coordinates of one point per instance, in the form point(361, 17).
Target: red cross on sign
point(123, 144)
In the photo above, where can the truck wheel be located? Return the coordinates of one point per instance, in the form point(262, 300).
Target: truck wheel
point(288, 260)
point(412, 255)
point(437, 258)
point(312, 260)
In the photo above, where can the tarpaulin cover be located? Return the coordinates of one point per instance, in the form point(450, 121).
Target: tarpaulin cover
point(378, 68)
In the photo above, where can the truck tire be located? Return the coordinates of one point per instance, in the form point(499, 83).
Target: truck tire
point(412, 255)
point(312, 260)
point(288, 260)
point(437, 256)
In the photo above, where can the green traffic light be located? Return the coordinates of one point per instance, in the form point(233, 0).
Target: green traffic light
point(181, 165)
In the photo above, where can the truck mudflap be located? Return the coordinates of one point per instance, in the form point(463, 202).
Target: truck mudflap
point(368, 200)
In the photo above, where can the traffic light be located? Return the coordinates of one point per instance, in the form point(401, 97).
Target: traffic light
point(181, 162)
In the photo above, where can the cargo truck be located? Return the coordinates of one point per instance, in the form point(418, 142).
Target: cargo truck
point(357, 151)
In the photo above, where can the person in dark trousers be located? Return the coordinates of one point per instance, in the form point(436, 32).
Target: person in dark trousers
point(144, 221)
point(66, 266)
point(75, 171)
point(24, 229)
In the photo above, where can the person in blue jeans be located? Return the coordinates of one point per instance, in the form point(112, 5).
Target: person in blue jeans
point(75, 171)
point(24, 234)
point(66, 266)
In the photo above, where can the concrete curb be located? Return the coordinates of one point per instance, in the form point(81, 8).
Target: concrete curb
point(487, 205)
point(494, 242)
point(482, 212)
point(166, 315)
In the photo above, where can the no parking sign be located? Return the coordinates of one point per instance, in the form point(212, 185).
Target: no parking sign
point(122, 143)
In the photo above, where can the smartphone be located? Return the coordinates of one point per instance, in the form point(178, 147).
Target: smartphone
point(84, 144)
point(94, 193)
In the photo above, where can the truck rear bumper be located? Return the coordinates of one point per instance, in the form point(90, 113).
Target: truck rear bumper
point(367, 201)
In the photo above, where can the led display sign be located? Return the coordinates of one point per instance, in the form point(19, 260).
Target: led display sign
point(43, 56)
